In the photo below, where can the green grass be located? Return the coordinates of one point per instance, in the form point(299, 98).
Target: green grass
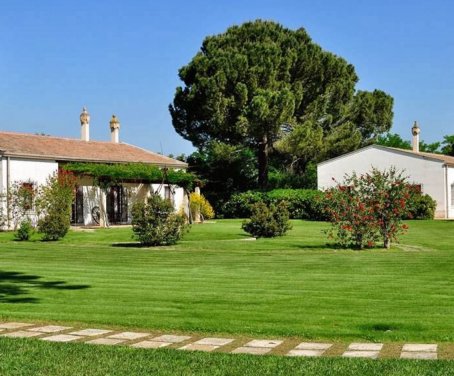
point(216, 281)
point(32, 357)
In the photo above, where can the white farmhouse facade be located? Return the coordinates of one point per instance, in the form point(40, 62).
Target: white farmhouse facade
point(434, 173)
point(32, 159)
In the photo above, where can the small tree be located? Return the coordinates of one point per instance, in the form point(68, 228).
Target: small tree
point(268, 221)
point(54, 202)
point(369, 207)
point(19, 203)
point(25, 231)
point(3, 211)
point(155, 223)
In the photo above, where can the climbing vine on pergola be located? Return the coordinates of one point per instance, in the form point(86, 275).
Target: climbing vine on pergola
point(110, 174)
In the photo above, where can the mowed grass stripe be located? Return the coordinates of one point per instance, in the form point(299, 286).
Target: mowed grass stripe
point(293, 285)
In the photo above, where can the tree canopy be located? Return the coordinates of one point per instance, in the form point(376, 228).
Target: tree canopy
point(439, 147)
point(265, 87)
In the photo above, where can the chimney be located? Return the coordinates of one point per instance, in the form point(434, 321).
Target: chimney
point(85, 125)
point(114, 129)
point(415, 131)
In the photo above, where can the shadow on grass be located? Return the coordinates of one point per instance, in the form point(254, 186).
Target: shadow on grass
point(14, 285)
point(130, 245)
point(334, 247)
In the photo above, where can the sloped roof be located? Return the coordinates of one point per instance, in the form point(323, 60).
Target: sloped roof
point(431, 156)
point(441, 157)
point(66, 149)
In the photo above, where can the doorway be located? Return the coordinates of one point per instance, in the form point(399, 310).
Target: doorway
point(117, 205)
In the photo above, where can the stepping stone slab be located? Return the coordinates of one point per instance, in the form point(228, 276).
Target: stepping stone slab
point(418, 355)
point(251, 350)
point(361, 354)
point(198, 347)
point(170, 338)
point(14, 325)
point(214, 341)
point(305, 352)
point(90, 332)
point(105, 341)
point(50, 329)
point(21, 334)
point(61, 338)
point(365, 346)
point(129, 335)
point(150, 344)
point(263, 343)
point(420, 347)
point(313, 346)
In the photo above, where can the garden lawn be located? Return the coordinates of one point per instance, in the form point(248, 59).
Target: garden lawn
point(216, 280)
point(37, 358)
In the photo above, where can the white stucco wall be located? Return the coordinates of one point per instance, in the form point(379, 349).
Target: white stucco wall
point(2, 174)
point(25, 170)
point(450, 191)
point(33, 170)
point(2, 192)
point(428, 173)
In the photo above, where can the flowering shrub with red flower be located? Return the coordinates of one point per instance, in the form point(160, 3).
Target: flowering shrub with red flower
point(367, 208)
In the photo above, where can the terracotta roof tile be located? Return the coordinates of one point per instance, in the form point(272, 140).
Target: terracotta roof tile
point(67, 149)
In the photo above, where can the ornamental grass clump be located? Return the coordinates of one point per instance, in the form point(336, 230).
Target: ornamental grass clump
point(268, 221)
point(368, 208)
point(155, 222)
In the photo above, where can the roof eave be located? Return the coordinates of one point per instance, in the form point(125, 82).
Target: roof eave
point(58, 158)
point(386, 148)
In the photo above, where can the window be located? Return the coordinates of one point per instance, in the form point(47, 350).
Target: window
point(26, 195)
point(416, 188)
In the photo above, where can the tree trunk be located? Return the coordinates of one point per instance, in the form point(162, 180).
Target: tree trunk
point(387, 243)
point(263, 163)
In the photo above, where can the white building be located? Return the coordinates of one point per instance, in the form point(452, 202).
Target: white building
point(30, 159)
point(434, 173)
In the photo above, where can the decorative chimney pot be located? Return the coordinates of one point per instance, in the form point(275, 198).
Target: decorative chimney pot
point(85, 125)
point(114, 129)
point(415, 131)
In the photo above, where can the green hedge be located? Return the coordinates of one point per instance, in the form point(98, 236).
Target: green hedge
point(307, 204)
point(301, 203)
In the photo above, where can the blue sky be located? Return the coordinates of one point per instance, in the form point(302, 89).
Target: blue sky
point(122, 57)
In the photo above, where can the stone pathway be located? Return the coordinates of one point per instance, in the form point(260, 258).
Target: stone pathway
point(145, 340)
point(419, 351)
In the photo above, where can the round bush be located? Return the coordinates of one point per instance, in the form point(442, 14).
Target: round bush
point(268, 221)
point(155, 223)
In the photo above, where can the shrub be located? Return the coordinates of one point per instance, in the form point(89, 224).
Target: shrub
point(268, 221)
point(54, 201)
point(25, 230)
point(239, 204)
point(54, 225)
point(155, 223)
point(366, 208)
point(3, 211)
point(301, 203)
point(199, 204)
point(421, 206)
